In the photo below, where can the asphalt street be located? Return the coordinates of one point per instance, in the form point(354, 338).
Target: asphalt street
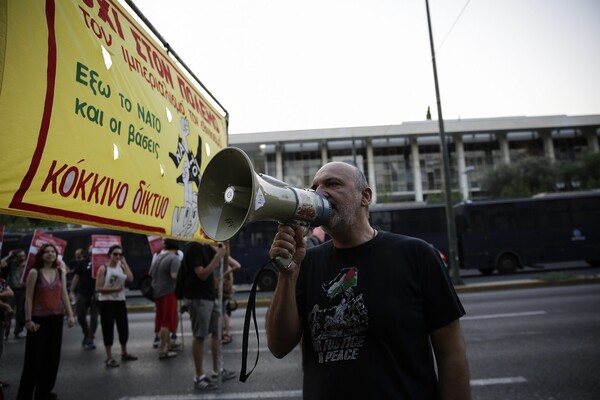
point(523, 343)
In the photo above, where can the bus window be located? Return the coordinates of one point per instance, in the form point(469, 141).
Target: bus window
point(554, 214)
point(475, 221)
point(257, 239)
point(240, 241)
point(136, 247)
point(585, 210)
point(502, 217)
point(382, 220)
point(527, 215)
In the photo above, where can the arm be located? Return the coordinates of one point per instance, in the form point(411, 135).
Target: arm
point(5, 294)
point(204, 272)
point(4, 261)
point(100, 279)
point(6, 307)
point(283, 323)
point(232, 265)
point(453, 369)
point(74, 283)
point(65, 297)
point(126, 269)
point(173, 274)
point(29, 290)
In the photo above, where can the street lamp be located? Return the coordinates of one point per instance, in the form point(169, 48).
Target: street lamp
point(452, 240)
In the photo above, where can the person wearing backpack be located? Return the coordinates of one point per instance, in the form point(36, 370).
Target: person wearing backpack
point(164, 274)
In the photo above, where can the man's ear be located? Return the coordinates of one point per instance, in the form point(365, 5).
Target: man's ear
point(367, 195)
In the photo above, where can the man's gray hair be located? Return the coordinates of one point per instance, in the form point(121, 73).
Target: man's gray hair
point(360, 180)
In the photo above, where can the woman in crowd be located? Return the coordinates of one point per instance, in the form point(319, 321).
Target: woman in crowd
point(110, 286)
point(46, 300)
point(6, 294)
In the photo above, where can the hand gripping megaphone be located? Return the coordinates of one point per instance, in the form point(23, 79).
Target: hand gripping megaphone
point(232, 194)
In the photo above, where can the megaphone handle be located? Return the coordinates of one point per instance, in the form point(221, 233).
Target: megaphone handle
point(283, 262)
point(286, 262)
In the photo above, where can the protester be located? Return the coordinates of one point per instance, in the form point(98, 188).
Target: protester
point(15, 263)
point(110, 286)
point(73, 264)
point(46, 300)
point(173, 339)
point(199, 263)
point(6, 295)
point(232, 266)
point(164, 273)
point(312, 240)
point(372, 308)
point(320, 234)
point(83, 292)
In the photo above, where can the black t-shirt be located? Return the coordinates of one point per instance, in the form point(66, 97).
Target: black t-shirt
point(3, 287)
point(195, 254)
point(86, 286)
point(367, 313)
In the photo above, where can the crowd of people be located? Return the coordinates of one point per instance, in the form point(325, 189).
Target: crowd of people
point(385, 300)
point(42, 299)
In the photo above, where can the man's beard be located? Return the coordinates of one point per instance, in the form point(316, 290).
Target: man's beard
point(343, 219)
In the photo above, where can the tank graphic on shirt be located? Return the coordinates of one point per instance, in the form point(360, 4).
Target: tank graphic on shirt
point(337, 328)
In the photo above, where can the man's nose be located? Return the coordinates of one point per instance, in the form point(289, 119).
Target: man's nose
point(322, 191)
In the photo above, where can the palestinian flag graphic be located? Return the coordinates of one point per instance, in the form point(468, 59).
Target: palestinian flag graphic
point(346, 279)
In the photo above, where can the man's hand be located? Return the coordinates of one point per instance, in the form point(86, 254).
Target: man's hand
point(289, 244)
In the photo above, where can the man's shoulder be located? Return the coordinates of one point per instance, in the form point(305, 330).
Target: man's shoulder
point(399, 238)
point(172, 258)
point(81, 266)
point(196, 251)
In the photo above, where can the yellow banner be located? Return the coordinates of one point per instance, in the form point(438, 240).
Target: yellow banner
point(98, 124)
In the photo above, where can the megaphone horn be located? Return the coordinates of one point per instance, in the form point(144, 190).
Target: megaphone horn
point(232, 194)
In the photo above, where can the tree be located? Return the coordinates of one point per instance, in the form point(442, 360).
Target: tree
point(532, 175)
point(583, 174)
point(15, 223)
point(523, 178)
point(590, 171)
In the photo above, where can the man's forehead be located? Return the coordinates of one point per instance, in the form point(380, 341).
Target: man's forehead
point(334, 169)
point(338, 167)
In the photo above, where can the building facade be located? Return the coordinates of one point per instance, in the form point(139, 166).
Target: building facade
point(404, 163)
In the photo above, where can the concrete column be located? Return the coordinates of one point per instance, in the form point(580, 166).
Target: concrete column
point(463, 182)
point(278, 161)
point(371, 167)
point(592, 140)
point(546, 136)
point(324, 153)
point(504, 149)
point(416, 165)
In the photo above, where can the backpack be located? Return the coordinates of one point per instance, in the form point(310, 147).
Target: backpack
point(180, 282)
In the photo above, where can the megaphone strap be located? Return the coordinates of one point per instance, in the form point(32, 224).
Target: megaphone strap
point(251, 312)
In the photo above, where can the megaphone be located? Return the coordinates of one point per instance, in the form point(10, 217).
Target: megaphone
point(232, 194)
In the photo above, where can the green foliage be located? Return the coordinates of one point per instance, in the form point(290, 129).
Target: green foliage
point(590, 171)
point(437, 198)
point(16, 224)
point(532, 175)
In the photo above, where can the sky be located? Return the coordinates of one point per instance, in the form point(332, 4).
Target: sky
point(279, 65)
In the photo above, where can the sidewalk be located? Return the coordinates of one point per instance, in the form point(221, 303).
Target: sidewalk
point(529, 283)
point(137, 303)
